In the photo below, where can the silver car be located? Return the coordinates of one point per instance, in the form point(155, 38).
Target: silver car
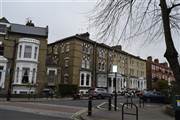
point(99, 93)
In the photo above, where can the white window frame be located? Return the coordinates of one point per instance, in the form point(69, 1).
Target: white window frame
point(85, 73)
point(27, 54)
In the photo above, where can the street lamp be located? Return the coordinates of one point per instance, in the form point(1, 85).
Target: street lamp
point(114, 69)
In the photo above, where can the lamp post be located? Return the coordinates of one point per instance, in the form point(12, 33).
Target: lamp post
point(114, 69)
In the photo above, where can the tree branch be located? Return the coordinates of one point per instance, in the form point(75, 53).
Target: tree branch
point(173, 6)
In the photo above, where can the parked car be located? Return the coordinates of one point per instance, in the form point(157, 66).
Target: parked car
point(99, 93)
point(150, 96)
point(47, 92)
point(138, 93)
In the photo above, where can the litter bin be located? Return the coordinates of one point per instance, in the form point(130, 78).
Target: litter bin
point(177, 106)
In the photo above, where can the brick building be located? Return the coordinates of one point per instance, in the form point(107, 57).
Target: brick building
point(157, 71)
point(22, 56)
point(79, 60)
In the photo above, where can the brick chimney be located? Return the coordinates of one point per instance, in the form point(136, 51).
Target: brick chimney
point(117, 47)
point(149, 58)
point(84, 35)
point(156, 61)
point(165, 64)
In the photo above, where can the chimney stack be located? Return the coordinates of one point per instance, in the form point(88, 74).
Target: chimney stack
point(156, 60)
point(149, 58)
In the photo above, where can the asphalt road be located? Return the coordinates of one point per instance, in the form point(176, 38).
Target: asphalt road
point(15, 115)
point(84, 102)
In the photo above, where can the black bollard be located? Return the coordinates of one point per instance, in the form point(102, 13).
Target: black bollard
point(131, 100)
point(109, 107)
point(177, 114)
point(127, 100)
point(90, 106)
point(140, 102)
point(115, 102)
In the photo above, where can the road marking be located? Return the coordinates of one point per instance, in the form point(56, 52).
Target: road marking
point(99, 106)
point(76, 115)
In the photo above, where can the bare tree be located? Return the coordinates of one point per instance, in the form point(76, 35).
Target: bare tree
point(149, 19)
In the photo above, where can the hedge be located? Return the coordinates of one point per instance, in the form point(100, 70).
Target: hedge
point(67, 90)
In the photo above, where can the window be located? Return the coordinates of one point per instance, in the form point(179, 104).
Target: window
point(20, 49)
point(55, 49)
point(27, 51)
point(33, 75)
point(66, 77)
point(17, 74)
point(51, 75)
point(66, 62)
point(83, 63)
point(82, 79)
point(86, 48)
point(35, 52)
point(2, 29)
point(1, 68)
point(99, 66)
point(88, 63)
point(67, 47)
point(62, 48)
point(109, 82)
point(87, 79)
point(1, 49)
point(25, 75)
point(114, 82)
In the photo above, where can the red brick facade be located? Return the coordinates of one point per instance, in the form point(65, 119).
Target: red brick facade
point(157, 71)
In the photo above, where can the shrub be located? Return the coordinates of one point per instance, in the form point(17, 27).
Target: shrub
point(67, 90)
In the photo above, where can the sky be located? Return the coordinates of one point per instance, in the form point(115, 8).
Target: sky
point(69, 17)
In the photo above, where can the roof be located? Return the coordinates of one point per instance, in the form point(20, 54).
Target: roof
point(85, 37)
point(4, 20)
point(24, 29)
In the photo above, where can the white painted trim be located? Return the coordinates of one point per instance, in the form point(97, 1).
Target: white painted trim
point(90, 80)
point(53, 69)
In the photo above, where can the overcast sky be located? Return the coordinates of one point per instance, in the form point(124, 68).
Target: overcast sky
point(69, 17)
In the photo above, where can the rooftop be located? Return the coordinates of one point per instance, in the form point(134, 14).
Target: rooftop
point(25, 29)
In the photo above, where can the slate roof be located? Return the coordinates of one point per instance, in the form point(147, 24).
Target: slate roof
point(17, 28)
point(4, 20)
point(24, 29)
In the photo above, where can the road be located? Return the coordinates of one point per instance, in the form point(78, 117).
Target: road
point(65, 109)
point(15, 115)
point(82, 102)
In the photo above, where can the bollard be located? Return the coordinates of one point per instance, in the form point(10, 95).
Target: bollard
point(90, 106)
point(115, 102)
point(139, 102)
point(177, 114)
point(109, 107)
point(131, 101)
point(127, 100)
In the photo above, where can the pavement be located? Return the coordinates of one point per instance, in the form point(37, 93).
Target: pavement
point(149, 112)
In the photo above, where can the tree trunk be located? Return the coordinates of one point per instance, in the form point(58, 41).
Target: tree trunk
point(171, 54)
